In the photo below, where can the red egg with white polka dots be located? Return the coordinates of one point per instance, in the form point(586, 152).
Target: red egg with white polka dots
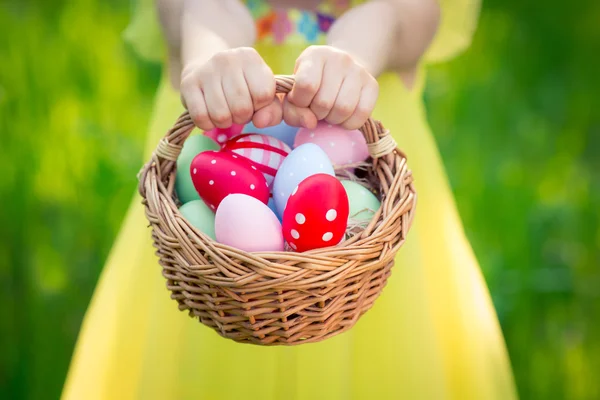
point(265, 152)
point(217, 174)
point(316, 214)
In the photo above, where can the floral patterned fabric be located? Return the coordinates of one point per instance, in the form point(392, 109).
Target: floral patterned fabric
point(286, 26)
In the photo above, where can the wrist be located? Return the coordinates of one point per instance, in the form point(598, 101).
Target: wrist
point(373, 65)
point(368, 33)
point(194, 52)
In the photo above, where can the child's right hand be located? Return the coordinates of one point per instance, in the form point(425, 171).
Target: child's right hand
point(234, 86)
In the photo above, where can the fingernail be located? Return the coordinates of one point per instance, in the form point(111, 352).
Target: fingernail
point(269, 119)
point(303, 122)
point(264, 121)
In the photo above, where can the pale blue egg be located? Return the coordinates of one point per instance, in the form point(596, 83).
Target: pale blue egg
point(273, 208)
point(304, 161)
point(283, 132)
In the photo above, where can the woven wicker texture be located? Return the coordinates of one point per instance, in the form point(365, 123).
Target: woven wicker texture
point(280, 298)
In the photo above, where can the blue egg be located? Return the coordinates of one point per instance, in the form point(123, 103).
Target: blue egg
point(304, 161)
point(273, 208)
point(283, 132)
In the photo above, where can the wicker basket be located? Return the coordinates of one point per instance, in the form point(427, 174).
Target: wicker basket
point(280, 298)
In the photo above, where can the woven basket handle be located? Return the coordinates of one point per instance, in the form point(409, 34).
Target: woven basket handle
point(379, 141)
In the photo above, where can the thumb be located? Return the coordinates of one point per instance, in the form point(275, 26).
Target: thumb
point(298, 116)
point(270, 115)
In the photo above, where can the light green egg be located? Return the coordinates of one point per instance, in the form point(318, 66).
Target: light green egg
point(363, 203)
point(200, 216)
point(195, 144)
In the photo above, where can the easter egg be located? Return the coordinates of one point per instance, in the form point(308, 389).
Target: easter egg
point(283, 132)
point(363, 203)
point(199, 216)
point(217, 174)
point(342, 146)
point(195, 144)
point(316, 214)
point(247, 224)
point(304, 161)
point(272, 207)
point(263, 152)
point(222, 135)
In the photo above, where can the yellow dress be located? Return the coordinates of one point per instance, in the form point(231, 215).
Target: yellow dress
point(433, 334)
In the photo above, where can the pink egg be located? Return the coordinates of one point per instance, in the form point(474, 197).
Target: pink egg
point(263, 152)
point(342, 146)
point(248, 224)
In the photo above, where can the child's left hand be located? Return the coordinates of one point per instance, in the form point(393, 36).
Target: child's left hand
point(332, 86)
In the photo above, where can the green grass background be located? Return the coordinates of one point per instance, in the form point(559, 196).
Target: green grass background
point(515, 117)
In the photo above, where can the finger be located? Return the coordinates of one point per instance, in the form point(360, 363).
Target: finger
point(298, 116)
point(218, 109)
point(193, 101)
point(238, 97)
point(270, 115)
point(309, 75)
point(365, 107)
point(261, 82)
point(346, 100)
point(291, 115)
point(333, 75)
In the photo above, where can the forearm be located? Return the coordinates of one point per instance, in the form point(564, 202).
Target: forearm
point(195, 30)
point(387, 34)
point(199, 42)
point(210, 26)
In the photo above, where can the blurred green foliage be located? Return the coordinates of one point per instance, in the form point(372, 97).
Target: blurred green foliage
point(515, 119)
point(73, 109)
point(517, 122)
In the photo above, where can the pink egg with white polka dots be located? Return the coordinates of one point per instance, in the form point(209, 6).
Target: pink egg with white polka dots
point(217, 174)
point(222, 135)
point(316, 214)
point(263, 152)
point(342, 146)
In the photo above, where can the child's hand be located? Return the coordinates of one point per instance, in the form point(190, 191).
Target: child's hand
point(332, 86)
point(234, 86)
